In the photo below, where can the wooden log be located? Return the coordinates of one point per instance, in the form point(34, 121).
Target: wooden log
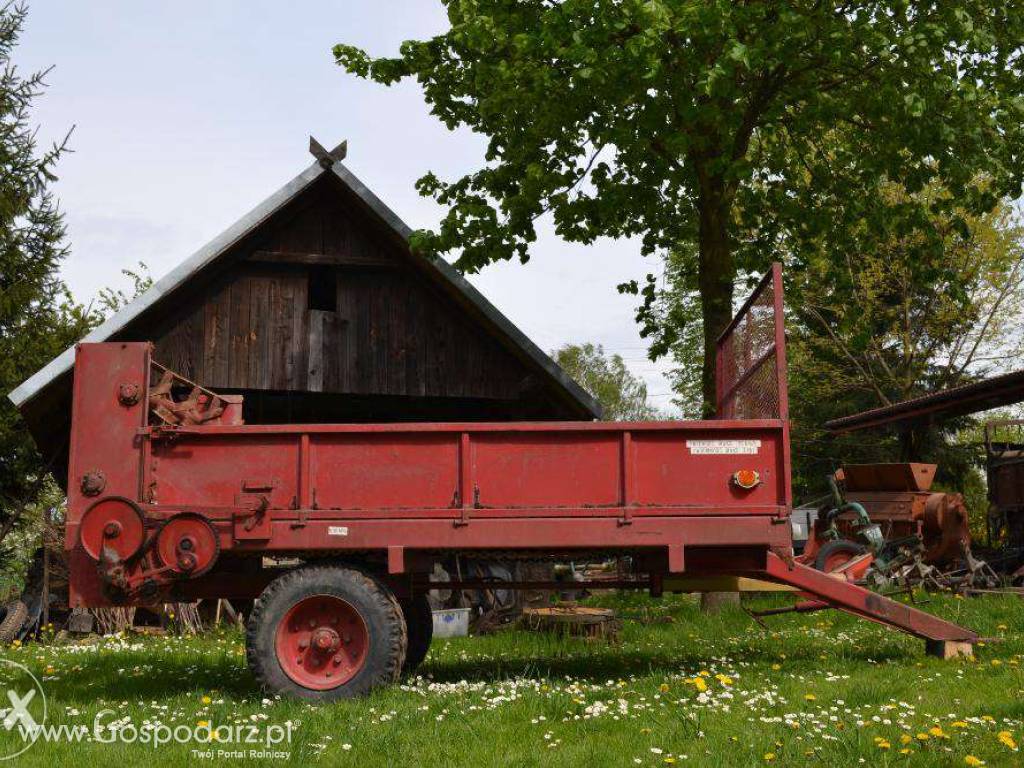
point(948, 649)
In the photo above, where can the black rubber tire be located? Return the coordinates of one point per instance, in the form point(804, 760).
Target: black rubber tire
point(12, 618)
point(419, 620)
point(376, 605)
point(838, 547)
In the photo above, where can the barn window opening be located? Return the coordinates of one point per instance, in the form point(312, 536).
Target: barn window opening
point(322, 292)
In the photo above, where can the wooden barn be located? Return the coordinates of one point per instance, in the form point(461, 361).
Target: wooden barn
point(314, 308)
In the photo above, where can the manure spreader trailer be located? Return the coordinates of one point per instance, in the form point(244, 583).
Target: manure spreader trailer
point(335, 528)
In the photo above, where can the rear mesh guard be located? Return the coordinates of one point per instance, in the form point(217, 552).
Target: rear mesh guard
point(751, 384)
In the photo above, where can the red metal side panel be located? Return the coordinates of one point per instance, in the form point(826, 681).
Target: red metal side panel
point(696, 469)
point(392, 471)
point(104, 434)
point(547, 469)
point(214, 471)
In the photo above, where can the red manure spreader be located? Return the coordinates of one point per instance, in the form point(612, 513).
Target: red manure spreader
point(335, 528)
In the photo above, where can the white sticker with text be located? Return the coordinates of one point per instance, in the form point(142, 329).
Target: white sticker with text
point(723, 447)
point(337, 530)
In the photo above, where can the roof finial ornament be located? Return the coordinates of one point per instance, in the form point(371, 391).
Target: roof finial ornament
point(325, 158)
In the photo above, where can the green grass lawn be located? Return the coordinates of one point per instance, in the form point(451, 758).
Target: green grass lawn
point(819, 689)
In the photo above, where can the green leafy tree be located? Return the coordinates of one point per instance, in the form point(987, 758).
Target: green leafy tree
point(38, 319)
point(622, 396)
point(708, 125)
point(895, 318)
point(899, 314)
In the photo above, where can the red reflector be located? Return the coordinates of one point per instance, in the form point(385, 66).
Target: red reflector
point(746, 479)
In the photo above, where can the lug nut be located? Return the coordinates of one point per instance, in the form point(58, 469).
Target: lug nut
point(337, 660)
point(303, 645)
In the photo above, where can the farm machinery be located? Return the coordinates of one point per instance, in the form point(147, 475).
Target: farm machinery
point(336, 528)
point(885, 526)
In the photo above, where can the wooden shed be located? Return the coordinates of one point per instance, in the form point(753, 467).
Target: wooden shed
point(315, 309)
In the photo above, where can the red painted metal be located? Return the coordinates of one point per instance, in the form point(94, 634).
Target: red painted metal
point(321, 642)
point(898, 498)
point(188, 545)
point(399, 496)
point(114, 525)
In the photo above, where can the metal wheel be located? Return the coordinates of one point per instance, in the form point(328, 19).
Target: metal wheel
point(324, 633)
point(321, 642)
point(836, 554)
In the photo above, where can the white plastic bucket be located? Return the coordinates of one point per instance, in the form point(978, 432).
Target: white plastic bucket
point(452, 622)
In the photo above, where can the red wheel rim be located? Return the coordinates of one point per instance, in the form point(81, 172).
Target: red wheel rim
point(837, 560)
point(322, 642)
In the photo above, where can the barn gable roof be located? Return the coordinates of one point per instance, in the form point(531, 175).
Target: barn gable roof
point(61, 365)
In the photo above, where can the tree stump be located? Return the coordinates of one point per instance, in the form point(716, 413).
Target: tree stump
point(712, 602)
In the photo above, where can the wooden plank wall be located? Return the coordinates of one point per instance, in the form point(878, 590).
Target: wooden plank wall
point(391, 332)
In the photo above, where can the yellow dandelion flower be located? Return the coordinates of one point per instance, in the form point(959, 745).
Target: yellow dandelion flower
point(810, 697)
point(905, 751)
point(1006, 739)
point(883, 744)
point(704, 673)
point(996, 662)
point(723, 679)
point(670, 760)
point(988, 718)
point(776, 667)
point(972, 760)
point(923, 737)
point(959, 724)
point(905, 738)
point(937, 732)
point(206, 700)
point(769, 756)
point(663, 687)
point(699, 683)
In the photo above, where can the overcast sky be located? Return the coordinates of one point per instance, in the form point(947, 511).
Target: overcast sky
point(187, 114)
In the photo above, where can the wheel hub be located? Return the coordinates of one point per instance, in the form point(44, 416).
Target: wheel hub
point(322, 642)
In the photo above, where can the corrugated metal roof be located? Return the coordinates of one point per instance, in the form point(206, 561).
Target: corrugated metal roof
point(64, 362)
point(983, 395)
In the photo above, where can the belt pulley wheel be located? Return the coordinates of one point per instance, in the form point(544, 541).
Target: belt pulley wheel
point(115, 524)
point(188, 544)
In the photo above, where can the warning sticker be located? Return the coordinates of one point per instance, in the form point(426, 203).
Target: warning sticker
point(723, 447)
point(337, 530)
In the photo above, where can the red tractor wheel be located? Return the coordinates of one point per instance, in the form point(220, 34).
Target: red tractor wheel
point(836, 554)
point(324, 633)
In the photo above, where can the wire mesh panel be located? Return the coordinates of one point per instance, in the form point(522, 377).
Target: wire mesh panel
point(751, 375)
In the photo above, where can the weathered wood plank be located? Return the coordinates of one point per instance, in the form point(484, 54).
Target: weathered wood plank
point(259, 348)
point(315, 368)
point(238, 352)
point(217, 325)
point(325, 259)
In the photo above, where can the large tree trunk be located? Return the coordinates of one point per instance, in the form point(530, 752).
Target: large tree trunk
point(716, 274)
point(715, 277)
